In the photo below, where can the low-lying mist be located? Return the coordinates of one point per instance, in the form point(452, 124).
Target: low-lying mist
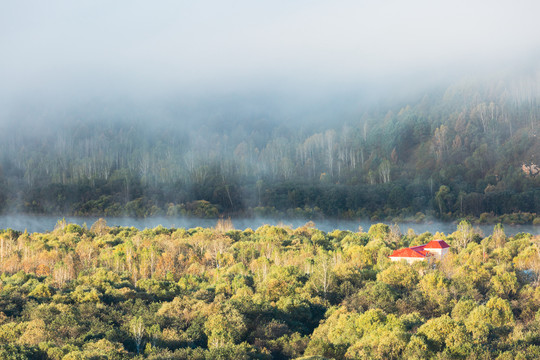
point(44, 224)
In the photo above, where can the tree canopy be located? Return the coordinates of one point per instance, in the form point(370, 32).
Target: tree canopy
point(270, 293)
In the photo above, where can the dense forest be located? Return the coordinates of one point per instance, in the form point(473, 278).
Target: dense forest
point(469, 150)
point(273, 293)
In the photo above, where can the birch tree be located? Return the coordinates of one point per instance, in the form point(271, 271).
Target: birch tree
point(136, 326)
point(464, 234)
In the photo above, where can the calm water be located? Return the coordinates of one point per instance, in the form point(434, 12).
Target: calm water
point(47, 223)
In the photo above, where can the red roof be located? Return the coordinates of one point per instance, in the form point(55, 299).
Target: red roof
point(436, 244)
point(418, 248)
point(409, 253)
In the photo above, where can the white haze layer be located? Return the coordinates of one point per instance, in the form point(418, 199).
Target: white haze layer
point(75, 50)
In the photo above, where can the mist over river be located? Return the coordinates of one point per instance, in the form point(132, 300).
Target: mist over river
point(33, 224)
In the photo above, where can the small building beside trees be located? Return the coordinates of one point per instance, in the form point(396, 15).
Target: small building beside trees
point(436, 249)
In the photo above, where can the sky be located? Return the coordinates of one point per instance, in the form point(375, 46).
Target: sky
point(74, 50)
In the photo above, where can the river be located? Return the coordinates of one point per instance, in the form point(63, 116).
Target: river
point(46, 223)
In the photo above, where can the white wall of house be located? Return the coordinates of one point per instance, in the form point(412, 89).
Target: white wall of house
point(438, 253)
point(410, 260)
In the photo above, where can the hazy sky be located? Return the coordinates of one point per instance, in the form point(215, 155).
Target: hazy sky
point(75, 48)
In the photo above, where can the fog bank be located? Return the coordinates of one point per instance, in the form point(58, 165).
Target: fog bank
point(68, 52)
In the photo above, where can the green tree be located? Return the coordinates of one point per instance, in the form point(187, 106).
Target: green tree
point(225, 326)
point(500, 312)
point(435, 287)
point(504, 284)
point(379, 231)
point(443, 198)
point(400, 275)
point(464, 234)
point(137, 329)
point(437, 331)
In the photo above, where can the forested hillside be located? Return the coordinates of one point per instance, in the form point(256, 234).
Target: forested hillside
point(272, 293)
point(466, 150)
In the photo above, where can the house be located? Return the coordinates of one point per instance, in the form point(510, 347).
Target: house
point(435, 249)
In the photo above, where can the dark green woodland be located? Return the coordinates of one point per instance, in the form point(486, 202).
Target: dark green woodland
point(469, 150)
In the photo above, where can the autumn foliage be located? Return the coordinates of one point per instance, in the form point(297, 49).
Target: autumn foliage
point(270, 293)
